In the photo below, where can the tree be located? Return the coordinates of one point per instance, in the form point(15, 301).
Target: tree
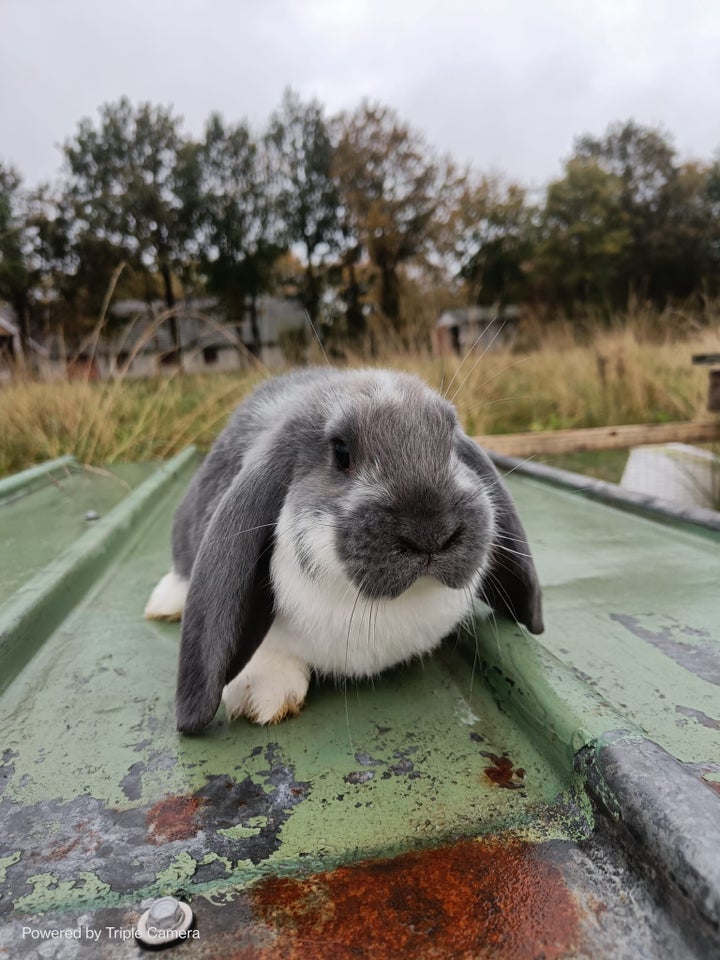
point(390, 188)
point(239, 234)
point(22, 266)
point(643, 161)
point(132, 181)
point(712, 202)
point(493, 228)
point(306, 194)
point(584, 238)
point(685, 256)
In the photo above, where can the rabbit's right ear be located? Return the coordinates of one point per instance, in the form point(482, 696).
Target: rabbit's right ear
point(229, 607)
point(511, 583)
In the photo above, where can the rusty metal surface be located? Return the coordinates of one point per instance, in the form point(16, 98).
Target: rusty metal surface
point(500, 898)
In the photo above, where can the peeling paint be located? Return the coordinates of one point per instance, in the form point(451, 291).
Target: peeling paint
point(100, 853)
point(702, 659)
point(280, 843)
point(502, 773)
point(50, 891)
point(699, 716)
point(174, 818)
point(6, 862)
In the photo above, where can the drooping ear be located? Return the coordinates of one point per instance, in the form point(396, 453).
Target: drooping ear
point(510, 584)
point(229, 607)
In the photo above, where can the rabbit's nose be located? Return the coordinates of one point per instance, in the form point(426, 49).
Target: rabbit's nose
point(430, 544)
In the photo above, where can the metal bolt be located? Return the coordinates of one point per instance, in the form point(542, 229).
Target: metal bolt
point(166, 913)
point(166, 920)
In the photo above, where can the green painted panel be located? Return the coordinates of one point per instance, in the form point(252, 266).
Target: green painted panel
point(36, 527)
point(633, 609)
point(104, 804)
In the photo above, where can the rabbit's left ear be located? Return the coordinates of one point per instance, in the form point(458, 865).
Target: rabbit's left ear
point(229, 607)
point(510, 584)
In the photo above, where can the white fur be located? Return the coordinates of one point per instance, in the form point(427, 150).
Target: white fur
point(385, 384)
point(321, 620)
point(369, 487)
point(272, 685)
point(167, 600)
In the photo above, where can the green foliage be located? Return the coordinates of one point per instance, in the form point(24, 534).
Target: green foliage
point(493, 228)
point(15, 274)
point(390, 188)
point(236, 220)
point(664, 207)
point(383, 231)
point(131, 184)
point(583, 236)
point(307, 197)
point(24, 224)
point(131, 180)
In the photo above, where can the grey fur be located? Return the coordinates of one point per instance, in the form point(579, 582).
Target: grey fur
point(400, 512)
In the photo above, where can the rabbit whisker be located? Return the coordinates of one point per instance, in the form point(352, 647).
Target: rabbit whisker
point(347, 655)
point(238, 533)
point(514, 553)
point(468, 353)
point(487, 348)
point(327, 361)
point(472, 629)
point(503, 593)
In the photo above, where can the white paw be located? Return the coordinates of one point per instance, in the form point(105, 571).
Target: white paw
point(272, 686)
point(168, 598)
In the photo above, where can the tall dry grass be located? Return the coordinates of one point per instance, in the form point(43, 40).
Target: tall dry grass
point(109, 422)
point(615, 377)
point(597, 378)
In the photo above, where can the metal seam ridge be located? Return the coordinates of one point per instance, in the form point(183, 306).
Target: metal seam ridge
point(18, 483)
point(41, 604)
point(670, 817)
point(611, 493)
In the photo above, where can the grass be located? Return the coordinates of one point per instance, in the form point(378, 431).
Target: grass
point(110, 422)
point(613, 377)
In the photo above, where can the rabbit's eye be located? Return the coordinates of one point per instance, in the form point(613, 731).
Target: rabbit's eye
point(341, 452)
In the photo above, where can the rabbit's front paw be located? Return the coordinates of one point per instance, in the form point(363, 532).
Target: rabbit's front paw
point(271, 687)
point(167, 599)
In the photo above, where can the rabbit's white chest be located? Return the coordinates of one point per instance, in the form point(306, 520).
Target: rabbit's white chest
point(323, 619)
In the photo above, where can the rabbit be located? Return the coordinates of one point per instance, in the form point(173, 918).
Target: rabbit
point(342, 523)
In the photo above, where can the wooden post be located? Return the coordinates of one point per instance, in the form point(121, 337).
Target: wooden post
point(711, 360)
point(600, 438)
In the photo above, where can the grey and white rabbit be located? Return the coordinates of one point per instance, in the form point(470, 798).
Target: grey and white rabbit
point(342, 523)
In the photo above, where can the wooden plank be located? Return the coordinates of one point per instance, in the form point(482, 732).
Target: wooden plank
point(600, 438)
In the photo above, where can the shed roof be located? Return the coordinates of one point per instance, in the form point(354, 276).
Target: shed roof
point(475, 315)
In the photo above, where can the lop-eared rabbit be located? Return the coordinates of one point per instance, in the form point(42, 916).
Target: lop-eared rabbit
point(342, 523)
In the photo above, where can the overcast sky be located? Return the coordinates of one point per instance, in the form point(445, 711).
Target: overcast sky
point(506, 85)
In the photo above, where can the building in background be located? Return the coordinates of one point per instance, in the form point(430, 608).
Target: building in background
point(483, 328)
point(11, 347)
point(138, 341)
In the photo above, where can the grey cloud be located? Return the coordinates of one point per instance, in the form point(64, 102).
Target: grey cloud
point(507, 86)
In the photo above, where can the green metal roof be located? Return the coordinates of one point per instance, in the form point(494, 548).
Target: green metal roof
point(476, 803)
point(633, 609)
